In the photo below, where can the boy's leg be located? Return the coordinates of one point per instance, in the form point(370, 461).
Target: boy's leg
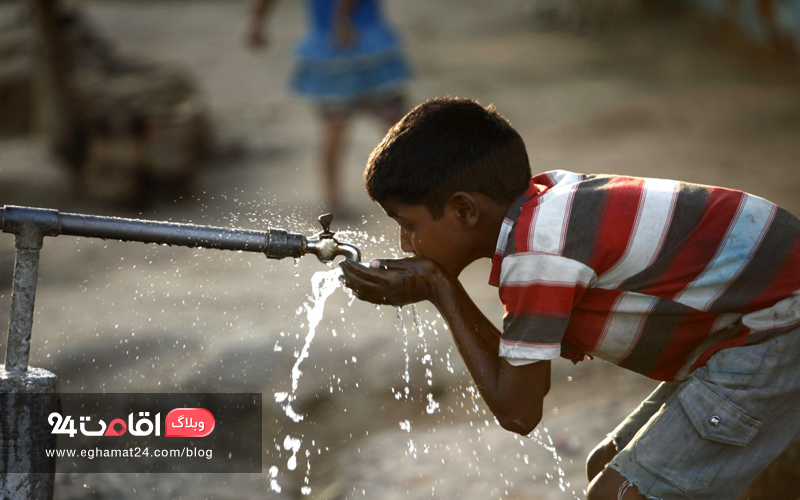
point(622, 435)
point(611, 485)
point(724, 425)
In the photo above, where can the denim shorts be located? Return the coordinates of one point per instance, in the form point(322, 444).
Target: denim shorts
point(708, 437)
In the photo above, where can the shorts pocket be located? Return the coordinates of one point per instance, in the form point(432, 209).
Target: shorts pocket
point(692, 436)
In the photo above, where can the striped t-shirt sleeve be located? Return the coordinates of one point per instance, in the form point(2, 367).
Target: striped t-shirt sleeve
point(539, 292)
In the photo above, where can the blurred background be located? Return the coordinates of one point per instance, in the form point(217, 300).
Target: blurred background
point(161, 110)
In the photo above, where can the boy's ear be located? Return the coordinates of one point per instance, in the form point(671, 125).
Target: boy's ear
point(466, 208)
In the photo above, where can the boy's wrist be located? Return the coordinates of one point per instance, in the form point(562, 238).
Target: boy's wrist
point(443, 289)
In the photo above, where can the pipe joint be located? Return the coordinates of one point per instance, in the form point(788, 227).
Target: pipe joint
point(282, 243)
point(30, 225)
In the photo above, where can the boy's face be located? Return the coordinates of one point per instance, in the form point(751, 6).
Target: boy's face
point(439, 240)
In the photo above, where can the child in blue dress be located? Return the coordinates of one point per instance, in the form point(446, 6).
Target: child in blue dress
point(349, 61)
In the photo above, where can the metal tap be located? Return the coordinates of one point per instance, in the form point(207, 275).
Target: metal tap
point(326, 247)
point(31, 225)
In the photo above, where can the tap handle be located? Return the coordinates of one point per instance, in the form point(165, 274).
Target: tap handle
point(326, 220)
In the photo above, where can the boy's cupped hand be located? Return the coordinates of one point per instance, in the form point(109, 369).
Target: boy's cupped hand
point(393, 281)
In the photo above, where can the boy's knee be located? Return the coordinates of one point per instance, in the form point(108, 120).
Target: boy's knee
point(611, 485)
point(599, 457)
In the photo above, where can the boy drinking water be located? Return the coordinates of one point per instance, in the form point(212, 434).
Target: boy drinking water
point(696, 286)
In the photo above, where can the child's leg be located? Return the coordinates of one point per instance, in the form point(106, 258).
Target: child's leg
point(391, 110)
point(611, 485)
point(622, 435)
point(332, 149)
point(720, 429)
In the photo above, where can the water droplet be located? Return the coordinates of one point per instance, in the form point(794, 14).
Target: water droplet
point(432, 405)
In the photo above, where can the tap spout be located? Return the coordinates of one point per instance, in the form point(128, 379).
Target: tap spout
point(350, 252)
point(327, 249)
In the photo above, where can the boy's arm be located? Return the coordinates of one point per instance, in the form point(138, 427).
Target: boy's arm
point(514, 393)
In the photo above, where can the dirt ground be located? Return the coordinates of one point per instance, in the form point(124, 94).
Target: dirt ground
point(662, 95)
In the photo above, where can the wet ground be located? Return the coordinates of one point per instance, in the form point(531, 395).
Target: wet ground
point(654, 95)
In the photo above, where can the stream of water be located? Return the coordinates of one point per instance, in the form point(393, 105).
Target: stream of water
point(324, 284)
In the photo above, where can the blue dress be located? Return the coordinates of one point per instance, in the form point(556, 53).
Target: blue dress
point(373, 66)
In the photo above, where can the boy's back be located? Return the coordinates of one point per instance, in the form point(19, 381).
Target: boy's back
point(641, 272)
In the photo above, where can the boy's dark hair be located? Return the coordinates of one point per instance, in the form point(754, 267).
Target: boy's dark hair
point(446, 145)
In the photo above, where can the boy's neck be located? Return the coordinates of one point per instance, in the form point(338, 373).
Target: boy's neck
point(496, 215)
point(488, 230)
point(481, 240)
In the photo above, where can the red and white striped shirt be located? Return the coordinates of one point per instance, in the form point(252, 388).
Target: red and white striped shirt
point(652, 275)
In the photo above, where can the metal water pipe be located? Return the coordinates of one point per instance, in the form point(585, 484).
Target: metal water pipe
point(22, 448)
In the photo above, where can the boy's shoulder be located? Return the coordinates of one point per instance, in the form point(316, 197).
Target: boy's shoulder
point(559, 180)
point(553, 178)
point(598, 219)
point(572, 190)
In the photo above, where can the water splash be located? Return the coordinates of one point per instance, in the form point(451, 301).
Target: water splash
point(273, 483)
point(292, 444)
point(406, 376)
point(432, 405)
point(427, 360)
point(323, 284)
point(412, 448)
point(306, 489)
point(537, 438)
